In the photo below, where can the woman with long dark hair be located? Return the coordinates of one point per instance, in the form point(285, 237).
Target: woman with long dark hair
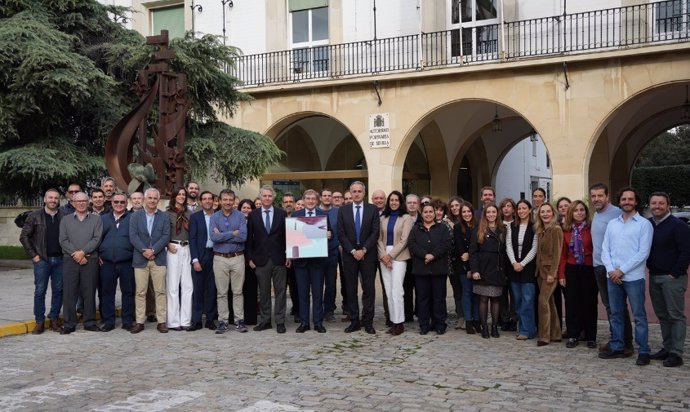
point(179, 264)
point(429, 243)
point(549, 244)
point(393, 254)
point(462, 234)
point(250, 289)
point(486, 264)
point(521, 248)
point(576, 275)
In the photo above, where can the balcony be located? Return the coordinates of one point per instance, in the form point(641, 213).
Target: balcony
point(586, 32)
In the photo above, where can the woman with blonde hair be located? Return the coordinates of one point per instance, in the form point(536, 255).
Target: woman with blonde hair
point(549, 244)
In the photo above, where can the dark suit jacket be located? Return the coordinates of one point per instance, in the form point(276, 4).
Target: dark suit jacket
point(303, 213)
point(197, 234)
point(369, 233)
point(260, 245)
point(140, 238)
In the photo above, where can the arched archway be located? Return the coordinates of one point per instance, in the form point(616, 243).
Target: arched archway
point(473, 137)
point(320, 152)
point(630, 127)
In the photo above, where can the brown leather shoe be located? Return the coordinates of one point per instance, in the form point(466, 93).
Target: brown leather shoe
point(137, 328)
point(38, 329)
point(55, 325)
point(162, 328)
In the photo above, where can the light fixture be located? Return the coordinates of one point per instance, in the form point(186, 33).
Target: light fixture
point(685, 114)
point(496, 123)
point(533, 136)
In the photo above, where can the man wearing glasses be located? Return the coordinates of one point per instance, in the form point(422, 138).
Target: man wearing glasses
point(115, 254)
point(68, 208)
point(80, 234)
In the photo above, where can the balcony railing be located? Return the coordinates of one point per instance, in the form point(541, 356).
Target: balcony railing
point(621, 27)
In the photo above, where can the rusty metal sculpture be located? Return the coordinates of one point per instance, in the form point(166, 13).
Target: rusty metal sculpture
point(160, 145)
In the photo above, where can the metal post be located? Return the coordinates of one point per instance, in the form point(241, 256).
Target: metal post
point(230, 5)
point(195, 7)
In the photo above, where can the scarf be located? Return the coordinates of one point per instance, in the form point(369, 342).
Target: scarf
point(577, 246)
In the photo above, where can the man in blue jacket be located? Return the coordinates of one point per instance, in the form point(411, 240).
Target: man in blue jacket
point(149, 232)
point(201, 251)
point(115, 254)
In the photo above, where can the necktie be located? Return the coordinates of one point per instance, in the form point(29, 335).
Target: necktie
point(267, 222)
point(358, 223)
point(310, 213)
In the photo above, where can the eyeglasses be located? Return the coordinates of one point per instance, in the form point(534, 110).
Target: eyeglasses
point(80, 201)
point(72, 191)
point(119, 202)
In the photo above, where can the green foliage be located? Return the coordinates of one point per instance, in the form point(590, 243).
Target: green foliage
point(12, 252)
point(664, 165)
point(670, 148)
point(670, 179)
point(66, 75)
point(229, 154)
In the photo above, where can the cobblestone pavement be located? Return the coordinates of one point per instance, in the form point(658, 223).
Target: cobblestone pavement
point(262, 371)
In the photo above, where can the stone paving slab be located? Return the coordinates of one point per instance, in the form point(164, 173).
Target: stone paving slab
point(262, 371)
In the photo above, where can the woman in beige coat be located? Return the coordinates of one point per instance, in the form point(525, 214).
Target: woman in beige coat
point(393, 254)
point(549, 245)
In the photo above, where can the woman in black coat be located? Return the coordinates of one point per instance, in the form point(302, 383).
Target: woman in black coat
point(486, 263)
point(429, 244)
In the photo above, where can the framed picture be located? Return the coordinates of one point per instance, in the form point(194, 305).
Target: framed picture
point(306, 237)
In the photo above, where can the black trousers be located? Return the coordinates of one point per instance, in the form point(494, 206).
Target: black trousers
point(431, 301)
point(365, 271)
point(581, 301)
point(408, 289)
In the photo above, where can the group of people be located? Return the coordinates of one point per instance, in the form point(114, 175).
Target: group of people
point(221, 259)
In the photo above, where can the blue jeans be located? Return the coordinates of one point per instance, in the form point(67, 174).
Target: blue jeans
point(470, 303)
point(44, 270)
point(634, 290)
point(524, 294)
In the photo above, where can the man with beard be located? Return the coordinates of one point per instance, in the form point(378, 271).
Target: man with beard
point(192, 194)
point(40, 238)
point(627, 242)
point(604, 212)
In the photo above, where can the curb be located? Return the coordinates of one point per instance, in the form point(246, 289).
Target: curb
point(24, 327)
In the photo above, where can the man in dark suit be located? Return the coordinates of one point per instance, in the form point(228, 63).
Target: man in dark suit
point(311, 272)
point(149, 232)
point(265, 251)
point(358, 231)
point(201, 251)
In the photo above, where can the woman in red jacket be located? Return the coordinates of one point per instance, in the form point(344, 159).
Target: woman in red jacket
point(576, 271)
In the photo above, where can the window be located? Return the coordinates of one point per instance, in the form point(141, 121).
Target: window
point(672, 16)
point(170, 19)
point(474, 28)
point(309, 29)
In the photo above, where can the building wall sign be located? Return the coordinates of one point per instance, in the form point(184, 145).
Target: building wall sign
point(379, 131)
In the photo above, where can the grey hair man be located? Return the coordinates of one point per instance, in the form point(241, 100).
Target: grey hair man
point(80, 235)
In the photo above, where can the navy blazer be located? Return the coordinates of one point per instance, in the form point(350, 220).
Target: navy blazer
point(140, 238)
point(115, 244)
point(261, 245)
point(318, 212)
point(198, 235)
point(369, 232)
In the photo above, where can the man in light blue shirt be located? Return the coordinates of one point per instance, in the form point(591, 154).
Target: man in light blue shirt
point(624, 253)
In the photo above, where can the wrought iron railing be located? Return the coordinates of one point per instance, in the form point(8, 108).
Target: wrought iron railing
point(630, 26)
